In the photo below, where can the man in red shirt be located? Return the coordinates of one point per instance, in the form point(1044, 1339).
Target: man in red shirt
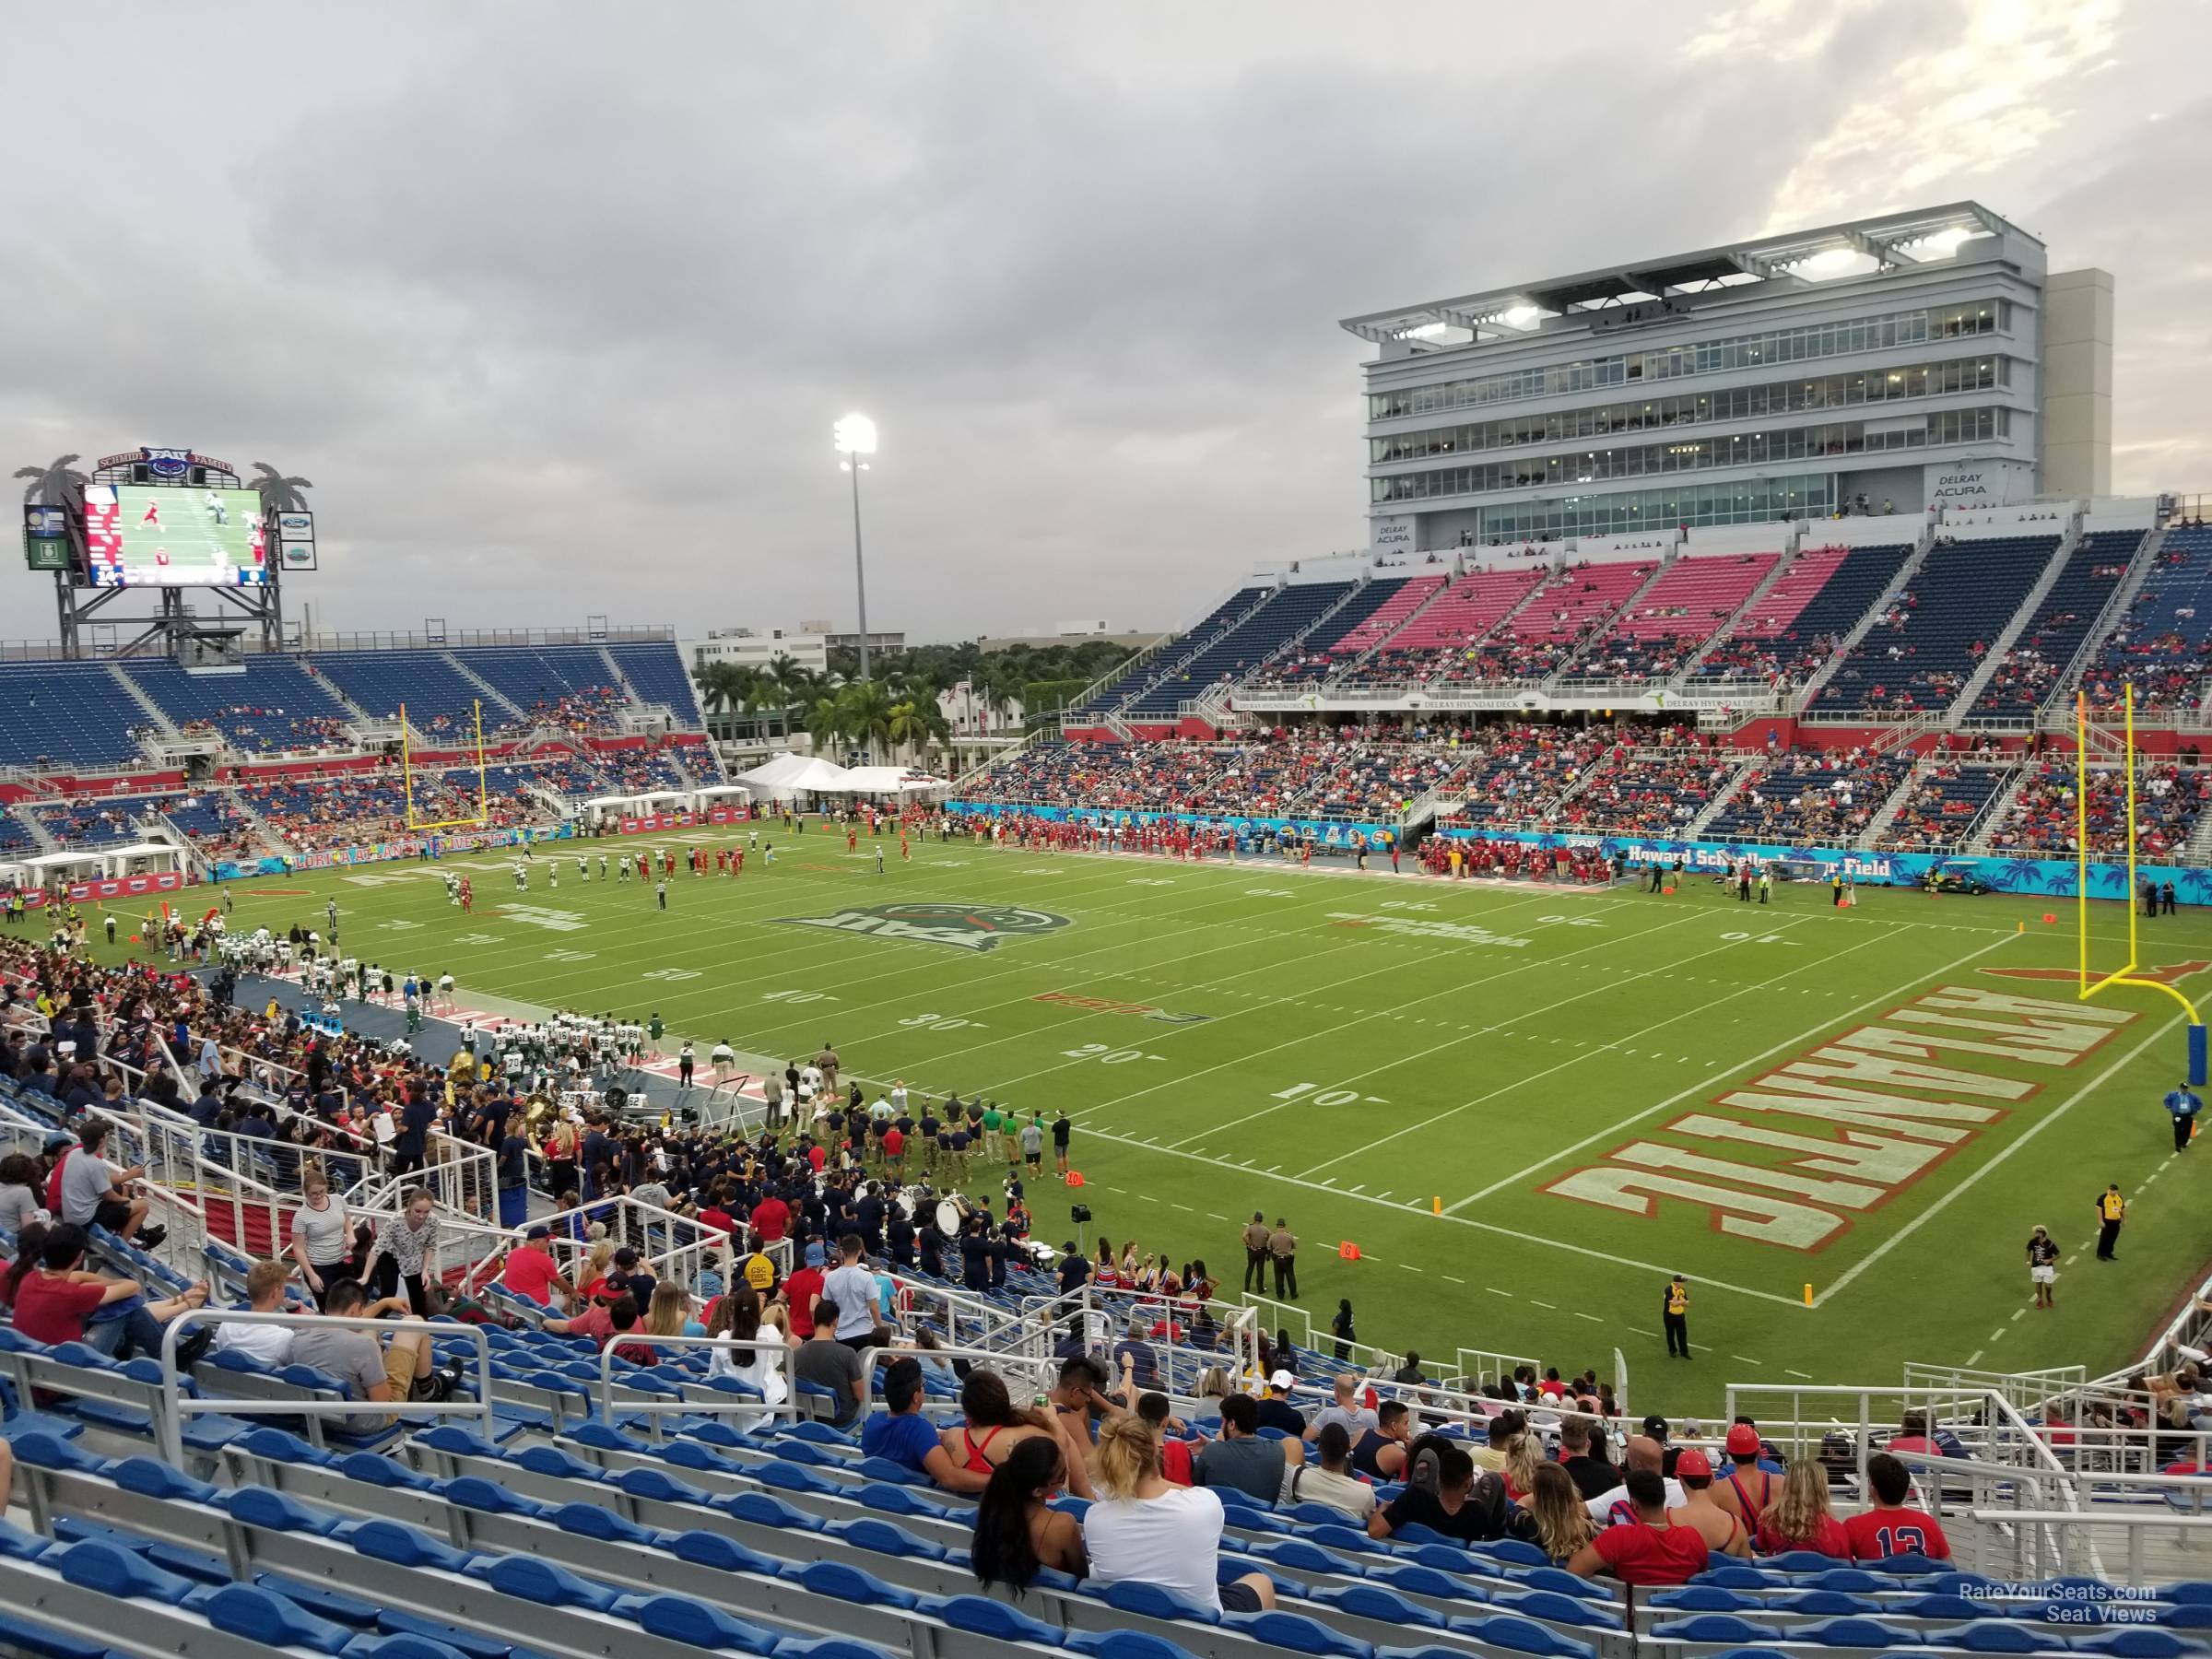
point(894, 1151)
point(1652, 1549)
point(1891, 1527)
point(55, 1300)
point(1174, 1454)
point(802, 1289)
point(531, 1272)
point(771, 1218)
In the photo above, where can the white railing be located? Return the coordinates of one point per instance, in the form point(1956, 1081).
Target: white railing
point(698, 1400)
point(178, 1405)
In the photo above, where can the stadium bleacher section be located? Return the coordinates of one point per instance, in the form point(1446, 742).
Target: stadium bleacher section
point(1573, 607)
point(2043, 818)
point(1327, 647)
point(103, 823)
point(1945, 805)
point(1927, 643)
point(1685, 607)
point(1649, 792)
point(55, 715)
point(1809, 797)
point(564, 685)
point(656, 673)
point(2163, 644)
point(1435, 647)
point(2027, 675)
point(439, 697)
point(273, 705)
point(1796, 625)
point(1287, 613)
point(1127, 684)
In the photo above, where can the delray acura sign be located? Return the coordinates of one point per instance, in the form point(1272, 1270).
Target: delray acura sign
point(1978, 484)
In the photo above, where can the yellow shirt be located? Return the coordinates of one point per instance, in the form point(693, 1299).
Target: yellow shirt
point(2111, 1206)
point(759, 1272)
point(1678, 1298)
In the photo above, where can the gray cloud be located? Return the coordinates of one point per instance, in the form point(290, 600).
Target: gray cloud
point(559, 320)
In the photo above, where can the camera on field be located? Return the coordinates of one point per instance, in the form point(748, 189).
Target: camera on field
point(1079, 1214)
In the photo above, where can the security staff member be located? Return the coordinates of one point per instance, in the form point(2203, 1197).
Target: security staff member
point(2111, 1209)
point(1673, 1313)
point(1256, 1253)
point(2185, 1104)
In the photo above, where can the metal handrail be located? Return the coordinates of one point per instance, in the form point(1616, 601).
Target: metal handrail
point(178, 1404)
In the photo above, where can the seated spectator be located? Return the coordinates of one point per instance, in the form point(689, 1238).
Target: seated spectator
point(736, 1316)
point(1345, 1410)
point(1651, 1548)
point(991, 1425)
point(1174, 1452)
point(20, 1200)
point(1799, 1518)
point(1581, 1443)
point(394, 1372)
point(1134, 1356)
point(1333, 1482)
point(603, 1322)
point(1380, 1453)
point(95, 1193)
point(1464, 1505)
point(530, 1271)
point(1723, 1533)
point(268, 1344)
point(1141, 1530)
point(1275, 1411)
point(1017, 1532)
point(1241, 1458)
point(1557, 1507)
point(901, 1433)
point(1891, 1526)
point(1616, 1506)
point(54, 1300)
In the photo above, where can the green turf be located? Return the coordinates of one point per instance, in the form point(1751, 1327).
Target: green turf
point(1455, 1068)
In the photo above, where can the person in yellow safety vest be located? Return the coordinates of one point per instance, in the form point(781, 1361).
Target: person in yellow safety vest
point(1673, 1313)
point(2111, 1210)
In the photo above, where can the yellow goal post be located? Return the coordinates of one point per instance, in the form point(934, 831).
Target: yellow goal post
point(2129, 974)
point(407, 772)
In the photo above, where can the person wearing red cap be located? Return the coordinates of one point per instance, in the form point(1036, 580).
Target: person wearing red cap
point(1723, 1533)
point(1743, 1489)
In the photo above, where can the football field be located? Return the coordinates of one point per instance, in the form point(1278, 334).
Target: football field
point(1525, 1107)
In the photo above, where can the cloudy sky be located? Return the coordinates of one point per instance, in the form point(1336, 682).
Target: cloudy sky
point(556, 304)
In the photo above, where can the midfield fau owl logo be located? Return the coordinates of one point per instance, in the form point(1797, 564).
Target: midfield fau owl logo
point(964, 927)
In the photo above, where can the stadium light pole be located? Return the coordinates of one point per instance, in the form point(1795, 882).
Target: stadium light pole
point(856, 440)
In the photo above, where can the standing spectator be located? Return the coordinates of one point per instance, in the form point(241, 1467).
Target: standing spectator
point(2184, 1103)
point(2112, 1209)
point(853, 1287)
point(402, 1247)
point(1674, 1315)
point(322, 1239)
point(1341, 1327)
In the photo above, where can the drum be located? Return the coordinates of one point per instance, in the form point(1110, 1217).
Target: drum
point(952, 1215)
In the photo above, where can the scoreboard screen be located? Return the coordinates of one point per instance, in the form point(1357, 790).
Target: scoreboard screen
point(178, 537)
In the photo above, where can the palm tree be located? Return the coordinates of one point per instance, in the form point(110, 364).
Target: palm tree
point(825, 723)
point(868, 713)
point(279, 493)
point(789, 678)
point(917, 723)
point(721, 685)
point(52, 484)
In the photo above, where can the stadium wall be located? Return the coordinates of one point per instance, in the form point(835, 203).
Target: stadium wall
point(382, 851)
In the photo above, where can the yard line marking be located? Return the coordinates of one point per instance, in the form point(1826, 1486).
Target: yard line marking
point(1553, 1306)
point(1187, 1209)
point(1975, 1355)
point(1378, 1195)
point(1410, 1267)
point(1456, 1281)
point(1593, 1318)
point(1808, 1376)
point(1642, 1332)
point(1495, 1292)
point(1710, 1078)
point(1612, 985)
point(1217, 1214)
point(2164, 1029)
point(1747, 1358)
point(2017, 1312)
point(1456, 988)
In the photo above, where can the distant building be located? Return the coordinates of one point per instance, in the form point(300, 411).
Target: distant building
point(1915, 360)
point(878, 643)
point(1085, 633)
point(747, 648)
